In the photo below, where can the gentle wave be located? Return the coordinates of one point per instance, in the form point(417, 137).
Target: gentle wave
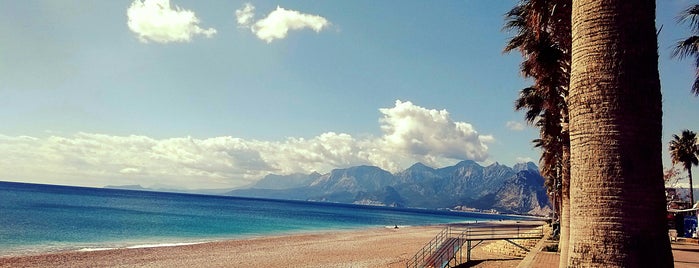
point(165, 245)
point(94, 249)
point(143, 246)
point(35, 218)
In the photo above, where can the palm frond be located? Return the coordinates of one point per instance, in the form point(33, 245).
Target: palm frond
point(542, 35)
point(687, 47)
point(695, 85)
point(515, 42)
point(691, 15)
point(684, 150)
point(531, 101)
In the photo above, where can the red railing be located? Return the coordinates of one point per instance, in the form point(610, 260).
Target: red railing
point(448, 243)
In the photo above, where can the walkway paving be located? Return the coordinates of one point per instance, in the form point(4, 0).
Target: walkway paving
point(545, 260)
point(686, 255)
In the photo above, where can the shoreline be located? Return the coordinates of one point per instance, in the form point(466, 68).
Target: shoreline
point(165, 242)
point(54, 247)
point(370, 247)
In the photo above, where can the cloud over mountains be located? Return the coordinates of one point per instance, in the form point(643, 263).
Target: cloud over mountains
point(410, 133)
point(427, 134)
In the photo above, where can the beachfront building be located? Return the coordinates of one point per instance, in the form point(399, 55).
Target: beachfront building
point(681, 215)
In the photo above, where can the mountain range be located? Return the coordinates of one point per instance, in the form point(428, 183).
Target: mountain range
point(466, 185)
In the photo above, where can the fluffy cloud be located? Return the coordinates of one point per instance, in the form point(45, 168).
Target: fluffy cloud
point(245, 15)
point(279, 22)
point(513, 125)
point(157, 21)
point(410, 133)
point(431, 134)
point(524, 159)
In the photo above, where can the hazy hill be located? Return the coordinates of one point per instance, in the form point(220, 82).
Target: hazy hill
point(512, 190)
point(273, 181)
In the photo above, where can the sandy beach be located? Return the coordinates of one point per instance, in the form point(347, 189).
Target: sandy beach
point(378, 247)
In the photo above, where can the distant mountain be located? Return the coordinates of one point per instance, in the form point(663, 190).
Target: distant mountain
point(519, 189)
point(161, 188)
point(417, 173)
point(523, 193)
point(279, 182)
point(525, 166)
point(135, 187)
point(353, 180)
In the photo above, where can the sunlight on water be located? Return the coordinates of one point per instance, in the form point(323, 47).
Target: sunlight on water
point(39, 218)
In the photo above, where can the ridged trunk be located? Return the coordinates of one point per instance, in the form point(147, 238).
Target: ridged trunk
point(564, 237)
point(691, 185)
point(617, 205)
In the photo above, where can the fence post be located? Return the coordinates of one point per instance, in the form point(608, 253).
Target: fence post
point(468, 250)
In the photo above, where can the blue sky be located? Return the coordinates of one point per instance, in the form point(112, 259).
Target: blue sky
point(192, 95)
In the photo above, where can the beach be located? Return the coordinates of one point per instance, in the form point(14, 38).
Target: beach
point(374, 247)
point(60, 226)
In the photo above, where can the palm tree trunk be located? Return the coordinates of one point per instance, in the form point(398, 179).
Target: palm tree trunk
point(617, 205)
point(564, 238)
point(691, 186)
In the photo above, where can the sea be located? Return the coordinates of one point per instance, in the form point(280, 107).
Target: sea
point(36, 218)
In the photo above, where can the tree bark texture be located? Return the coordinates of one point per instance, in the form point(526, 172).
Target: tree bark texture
point(564, 237)
point(691, 185)
point(617, 209)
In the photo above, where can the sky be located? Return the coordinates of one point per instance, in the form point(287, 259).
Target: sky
point(217, 94)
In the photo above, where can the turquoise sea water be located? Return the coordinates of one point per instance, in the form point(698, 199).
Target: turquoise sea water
point(44, 218)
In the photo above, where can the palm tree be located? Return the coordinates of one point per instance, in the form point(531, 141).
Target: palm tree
point(616, 187)
point(683, 149)
point(543, 37)
point(690, 47)
point(549, 141)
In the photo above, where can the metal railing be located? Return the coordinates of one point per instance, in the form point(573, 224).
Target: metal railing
point(430, 248)
point(511, 231)
point(445, 246)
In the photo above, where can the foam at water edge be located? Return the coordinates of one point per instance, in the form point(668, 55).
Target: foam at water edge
point(94, 249)
point(165, 245)
point(141, 246)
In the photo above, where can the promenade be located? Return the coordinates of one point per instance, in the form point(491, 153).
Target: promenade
point(685, 253)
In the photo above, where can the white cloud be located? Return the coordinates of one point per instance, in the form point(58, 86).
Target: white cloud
point(524, 159)
point(157, 21)
point(279, 22)
point(245, 15)
point(130, 171)
point(410, 133)
point(514, 125)
point(431, 134)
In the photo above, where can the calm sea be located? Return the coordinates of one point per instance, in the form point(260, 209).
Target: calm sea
point(44, 218)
